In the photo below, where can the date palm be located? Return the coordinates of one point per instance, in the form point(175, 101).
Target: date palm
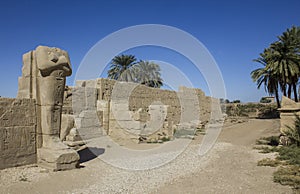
point(148, 73)
point(284, 60)
point(121, 68)
point(266, 77)
point(125, 68)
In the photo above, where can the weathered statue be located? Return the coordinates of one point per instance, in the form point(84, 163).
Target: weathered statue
point(43, 78)
point(54, 66)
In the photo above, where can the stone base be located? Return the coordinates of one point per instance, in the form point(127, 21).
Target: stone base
point(75, 145)
point(59, 159)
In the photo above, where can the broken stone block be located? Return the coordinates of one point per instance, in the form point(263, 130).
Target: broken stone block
point(60, 159)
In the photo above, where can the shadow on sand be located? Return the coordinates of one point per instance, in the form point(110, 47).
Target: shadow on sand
point(90, 153)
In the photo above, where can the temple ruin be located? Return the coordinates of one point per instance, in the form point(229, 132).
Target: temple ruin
point(48, 121)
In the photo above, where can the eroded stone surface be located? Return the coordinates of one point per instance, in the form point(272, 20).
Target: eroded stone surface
point(17, 132)
point(43, 79)
point(132, 111)
point(288, 110)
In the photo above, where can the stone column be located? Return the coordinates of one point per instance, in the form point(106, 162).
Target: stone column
point(47, 71)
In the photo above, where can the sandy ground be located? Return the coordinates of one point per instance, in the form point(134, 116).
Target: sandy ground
point(235, 170)
point(230, 167)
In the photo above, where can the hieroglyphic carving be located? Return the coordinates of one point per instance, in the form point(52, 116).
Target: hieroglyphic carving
point(17, 139)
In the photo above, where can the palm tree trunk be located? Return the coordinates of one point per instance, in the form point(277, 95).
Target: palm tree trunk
point(277, 98)
point(295, 92)
point(284, 89)
point(290, 91)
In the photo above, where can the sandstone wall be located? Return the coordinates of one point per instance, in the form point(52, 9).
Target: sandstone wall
point(131, 103)
point(17, 132)
point(143, 97)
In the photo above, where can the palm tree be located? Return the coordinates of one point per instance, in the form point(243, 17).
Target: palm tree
point(148, 73)
point(285, 60)
point(121, 68)
point(281, 63)
point(125, 68)
point(266, 77)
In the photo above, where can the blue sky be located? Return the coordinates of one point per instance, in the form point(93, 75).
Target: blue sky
point(234, 32)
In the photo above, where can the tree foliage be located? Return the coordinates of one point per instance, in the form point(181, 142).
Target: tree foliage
point(280, 62)
point(126, 68)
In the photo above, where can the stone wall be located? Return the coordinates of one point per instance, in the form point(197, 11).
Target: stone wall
point(120, 105)
point(17, 132)
point(143, 97)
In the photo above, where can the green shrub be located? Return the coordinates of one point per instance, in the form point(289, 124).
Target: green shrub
point(265, 100)
point(293, 133)
point(288, 159)
point(272, 141)
point(289, 175)
point(268, 162)
point(291, 154)
point(266, 150)
point(265, 110)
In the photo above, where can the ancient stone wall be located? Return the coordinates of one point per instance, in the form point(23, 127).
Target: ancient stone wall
point(143, 97)
point(17, 132)
point(122, 105)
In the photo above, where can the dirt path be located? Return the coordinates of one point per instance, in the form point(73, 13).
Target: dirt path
point(230, 167)
point(235, 170)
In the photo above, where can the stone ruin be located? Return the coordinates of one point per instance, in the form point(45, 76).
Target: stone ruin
point(43, 79)
point(47, 118)
point(288, 111)
point(139, 113)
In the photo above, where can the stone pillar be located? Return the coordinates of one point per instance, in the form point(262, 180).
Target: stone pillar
point(288, 110)
point(43, 78)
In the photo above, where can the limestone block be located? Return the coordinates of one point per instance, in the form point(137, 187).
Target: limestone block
point(102, 105)
point(17, 146)
point(62, 159)
point(78, 100)
point(17, 112)
point(23, 85)
point(87, 119)
point(67, 123)
point(288, 110)
point(90, 122)
point(90, 83)
point(26, 69)
point(90, 98)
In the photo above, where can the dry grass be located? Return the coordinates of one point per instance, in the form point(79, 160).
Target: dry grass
point(288, 160)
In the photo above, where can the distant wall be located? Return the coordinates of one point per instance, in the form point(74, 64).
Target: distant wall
point(143, 97)
point(17, 132)
point(132, 105)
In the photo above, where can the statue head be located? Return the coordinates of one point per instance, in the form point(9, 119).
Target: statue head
point(53, 61)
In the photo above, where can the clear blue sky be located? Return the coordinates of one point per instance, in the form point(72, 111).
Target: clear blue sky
point(235, 32)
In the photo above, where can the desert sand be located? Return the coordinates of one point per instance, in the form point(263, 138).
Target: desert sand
point(230, 167)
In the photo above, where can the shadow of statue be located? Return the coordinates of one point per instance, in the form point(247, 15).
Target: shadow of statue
point(90, 153)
